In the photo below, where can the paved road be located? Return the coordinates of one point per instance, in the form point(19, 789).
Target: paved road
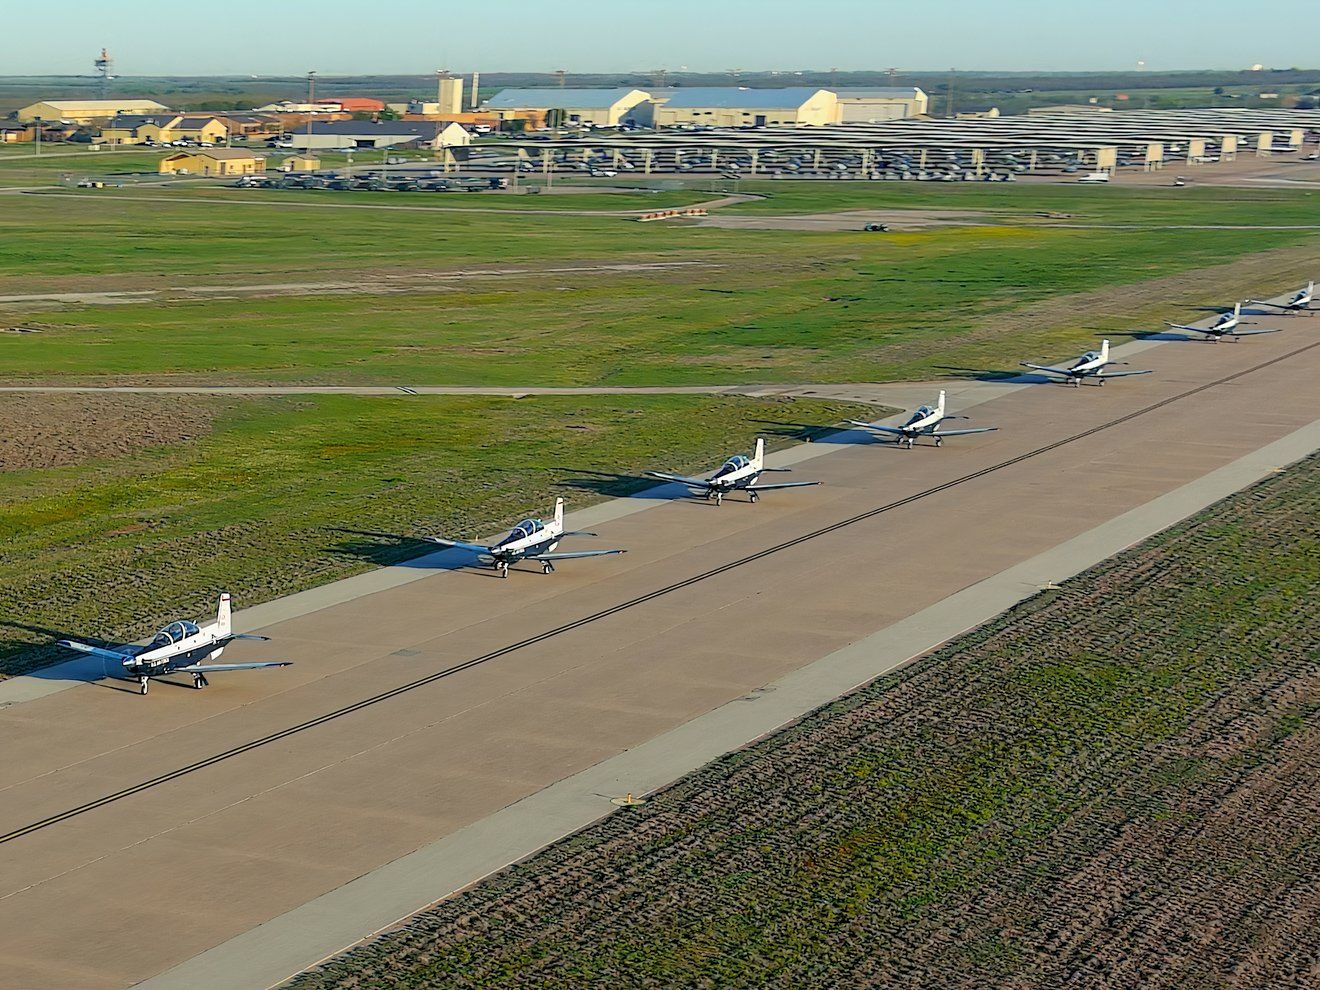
point(428, 705)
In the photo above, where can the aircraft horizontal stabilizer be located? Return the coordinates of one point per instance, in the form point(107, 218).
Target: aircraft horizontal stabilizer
point(247, 636)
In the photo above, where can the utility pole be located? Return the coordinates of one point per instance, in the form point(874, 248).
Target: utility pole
point(311, 87)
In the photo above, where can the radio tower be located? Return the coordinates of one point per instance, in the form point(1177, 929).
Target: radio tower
point(102, 65)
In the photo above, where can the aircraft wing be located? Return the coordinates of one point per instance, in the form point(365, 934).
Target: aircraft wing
point(95, 651)
point(690, 482)
point(206, 668)
point(780, 484)
point(572, 554)
point(1180, 326)
point(1122, 374)
point(964, 432)
point(892, 430)
point(1253, 333)
point(459, 544)
point(1046, 368)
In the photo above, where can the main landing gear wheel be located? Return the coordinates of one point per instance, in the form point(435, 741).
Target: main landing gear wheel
point(144, 683)
point(753, 496)
point(200, 681)
point(719, 499)
point(939, 441)
point(547, 567)
point(503, 569)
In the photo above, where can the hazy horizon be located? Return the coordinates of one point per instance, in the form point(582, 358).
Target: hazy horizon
point(252, 38)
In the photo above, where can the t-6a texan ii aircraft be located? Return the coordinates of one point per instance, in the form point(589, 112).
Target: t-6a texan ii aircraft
point(179, 648)
point(1092, 364)
point(531, 539)
point(1225, 325)
point(925, 422)
point(1299, 303)
point(738, 473)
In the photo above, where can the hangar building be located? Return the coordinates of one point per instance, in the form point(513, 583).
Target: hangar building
point(732, 106)
point(870, 106)
point(86, 111)
point(322, 135)
point(599, 107)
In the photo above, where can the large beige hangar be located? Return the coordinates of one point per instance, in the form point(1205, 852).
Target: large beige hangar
point(730, 106)
point(86, 111)
point(598, 107)
point(870, 106)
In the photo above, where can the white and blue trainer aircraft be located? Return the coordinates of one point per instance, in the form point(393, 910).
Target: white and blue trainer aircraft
point(738, 473)
point(1090, 365)
point(1225, 325)
point(179, 648)
point(531, 539)
point(924, 422)
point(1299, 303)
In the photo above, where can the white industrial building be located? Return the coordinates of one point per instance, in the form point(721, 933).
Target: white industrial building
point(598, 107)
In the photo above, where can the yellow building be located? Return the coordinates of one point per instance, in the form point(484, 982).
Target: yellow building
point(300, 163)
point(162, 129)
point(213, 161)
point(87, 111)
point(736, 106)
point(597, 107)
point(869, 106)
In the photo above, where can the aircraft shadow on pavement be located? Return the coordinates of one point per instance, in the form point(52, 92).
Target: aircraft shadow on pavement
point(612, 484)
point(21, 652)
point(397, 550)
point(1153, 335)
point(998, 376)
point(814, 432)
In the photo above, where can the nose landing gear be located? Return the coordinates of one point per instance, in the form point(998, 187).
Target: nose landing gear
point(144, 682)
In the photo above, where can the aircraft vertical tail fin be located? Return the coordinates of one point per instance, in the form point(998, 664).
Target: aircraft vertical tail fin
point(758, 458)
point(1104, 350)
point(1237, 309)
point(223, 620)
point(940, 407)
point(1310, 288)
point(559, 512)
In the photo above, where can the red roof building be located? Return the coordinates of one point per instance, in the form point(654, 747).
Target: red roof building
point(357, 104)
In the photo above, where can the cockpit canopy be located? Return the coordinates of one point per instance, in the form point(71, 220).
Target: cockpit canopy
point(175, 632)
point(526, 528)
point(1089, 356)
point(921, 413)
point(736, 463)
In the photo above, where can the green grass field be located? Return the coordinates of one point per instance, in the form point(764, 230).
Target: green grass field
point(286, 494)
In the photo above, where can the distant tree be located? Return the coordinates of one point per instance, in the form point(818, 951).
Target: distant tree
point(1308, 103)
point(1219, 91)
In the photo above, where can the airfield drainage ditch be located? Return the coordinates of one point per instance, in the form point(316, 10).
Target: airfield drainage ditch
point(587, 620)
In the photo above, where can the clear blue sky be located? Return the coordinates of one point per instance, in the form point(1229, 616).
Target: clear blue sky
point(281, 37)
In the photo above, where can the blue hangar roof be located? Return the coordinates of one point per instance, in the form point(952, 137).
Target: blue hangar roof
point(736, 98)
point(557, 99)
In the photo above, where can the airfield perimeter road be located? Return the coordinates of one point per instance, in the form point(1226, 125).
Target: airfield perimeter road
point(136, 833)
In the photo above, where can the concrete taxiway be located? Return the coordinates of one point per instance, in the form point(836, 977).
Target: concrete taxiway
point(146, 835)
